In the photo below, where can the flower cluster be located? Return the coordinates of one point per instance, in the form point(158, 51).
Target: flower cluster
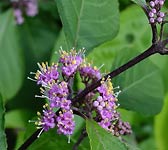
point(56, 81)
point(119, 127)
point(65, 124)
point(29, 7)
point(47, 120)
point(105, 106)
point(155, 14)
point(70, 62)
point(89, 72)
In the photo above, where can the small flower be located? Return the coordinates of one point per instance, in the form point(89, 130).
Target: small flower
point(18, 16)
point(70, 62)
point(155, 15)
point(46, 121)
point(31, 8)
point(87, 72)
point(65, 122)
point(46, 74)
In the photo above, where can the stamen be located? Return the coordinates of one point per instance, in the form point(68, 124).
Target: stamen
point(117, 93)
point(30, 121)
point(32, 73)
point(45, 85)
point(41, 68)
point(40, 133)
point(117, 87)
point(31, 79)
point(100, 66)
point(41, 96)
point(69, 138)
point(61, 48)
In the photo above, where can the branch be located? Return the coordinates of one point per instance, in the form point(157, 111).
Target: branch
point(30, 140)
point(82, 136)
point(132, 62)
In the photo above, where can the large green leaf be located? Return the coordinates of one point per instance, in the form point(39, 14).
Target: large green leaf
point(141, 85)
point(100, 139)
point(88, 23)
point(3, 145)
point(11, 72)
point(17, 118)
point(161, 122)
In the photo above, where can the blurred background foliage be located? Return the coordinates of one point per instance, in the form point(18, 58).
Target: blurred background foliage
point(144, 87)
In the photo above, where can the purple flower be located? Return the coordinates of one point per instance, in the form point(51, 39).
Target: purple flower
point(65, 104)
point(105, 124)
point(58, 90)
point(87, 71)
point(155, 15)
point(106, 114)
point(68, 70)
point(31, 7)
point(65, 123)
point(70, 62)
point(47, 74)
point(47, 120)
point(18, 16)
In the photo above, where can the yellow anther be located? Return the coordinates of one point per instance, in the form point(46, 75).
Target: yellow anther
point(73, 62)
point(95, 68)
point(38, 113)
point(43, 65)
point(37, 75)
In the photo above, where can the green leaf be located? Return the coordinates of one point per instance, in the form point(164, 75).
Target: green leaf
point(38, 37)
point(11, 72)
point(140, 2)
point(161, 122)
point(142, 87)
point(88, 23)
point(60, 42)
point(3, 145)
point(17, 118)
point(150, 142)
point(100, 139)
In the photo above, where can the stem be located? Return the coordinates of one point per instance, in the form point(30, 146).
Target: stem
point(82, 136)
point(153, 26)
point(132, 62)
point(161, 32)
point(30, 140)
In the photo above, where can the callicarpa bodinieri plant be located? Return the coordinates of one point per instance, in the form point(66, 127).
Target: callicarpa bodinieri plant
point(57, 86)
point(96, 99)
